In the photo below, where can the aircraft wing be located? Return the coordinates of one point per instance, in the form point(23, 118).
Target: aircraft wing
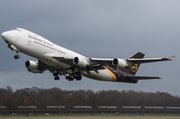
point(104, 61)
point(97, 63)
point(64, 60)
point(141, 77)
point(107, 61)
point(148, 60)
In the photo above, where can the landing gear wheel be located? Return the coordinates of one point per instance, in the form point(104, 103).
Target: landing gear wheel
point(78, 76)
point(56, 78)
point(67, 77)
point(55, 74)
point(16, 56)
point(70, 78)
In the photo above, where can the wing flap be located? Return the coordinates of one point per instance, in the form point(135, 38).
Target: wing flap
point(65, 60)
point(102, 61)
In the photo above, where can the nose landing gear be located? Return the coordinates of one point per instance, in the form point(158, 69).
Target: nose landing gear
point(13, 48)
point(16, 56)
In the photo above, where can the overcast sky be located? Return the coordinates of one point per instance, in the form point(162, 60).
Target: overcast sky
point(100, 29)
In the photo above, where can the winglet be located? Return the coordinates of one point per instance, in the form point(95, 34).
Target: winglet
point(171, 58)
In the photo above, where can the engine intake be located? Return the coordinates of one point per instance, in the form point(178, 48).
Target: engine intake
point(80, 62)
point(119, 63)
point(32, 66)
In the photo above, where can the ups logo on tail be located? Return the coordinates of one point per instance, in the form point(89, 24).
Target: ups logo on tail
point(134, 68)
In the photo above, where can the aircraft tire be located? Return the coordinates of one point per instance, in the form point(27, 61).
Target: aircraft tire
point(16, 56)
point(56, 78)
point(79, 77)
point(67, 77)
point(70, 79)
point(55, 74)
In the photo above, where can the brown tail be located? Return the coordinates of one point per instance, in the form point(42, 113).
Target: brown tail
point(133, 69)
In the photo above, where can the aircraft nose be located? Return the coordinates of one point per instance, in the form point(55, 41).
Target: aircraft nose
point(4, 35)
point(9, 36)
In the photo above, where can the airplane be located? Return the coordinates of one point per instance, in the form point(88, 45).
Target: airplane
point(61, 61)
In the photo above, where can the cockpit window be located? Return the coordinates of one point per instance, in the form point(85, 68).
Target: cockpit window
point(18, 29)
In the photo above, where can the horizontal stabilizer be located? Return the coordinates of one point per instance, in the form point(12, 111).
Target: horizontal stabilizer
point(141, 77)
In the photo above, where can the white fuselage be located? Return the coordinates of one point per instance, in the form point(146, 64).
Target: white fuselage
point(38, 47)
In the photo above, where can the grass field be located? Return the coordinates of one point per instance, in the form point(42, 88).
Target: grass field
point(93, 117)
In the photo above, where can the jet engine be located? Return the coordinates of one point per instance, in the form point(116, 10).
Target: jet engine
point(119, 63)
point(32, 66)
point(80, 62)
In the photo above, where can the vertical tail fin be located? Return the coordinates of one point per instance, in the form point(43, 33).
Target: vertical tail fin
point(137, 55)
point(133, 69)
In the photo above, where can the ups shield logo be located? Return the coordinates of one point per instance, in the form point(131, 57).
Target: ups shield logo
point(134, 68)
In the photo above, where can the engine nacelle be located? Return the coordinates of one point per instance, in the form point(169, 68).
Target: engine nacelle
point(80, 62)
point(32, 66)
point(119, 63)
point(35, 71)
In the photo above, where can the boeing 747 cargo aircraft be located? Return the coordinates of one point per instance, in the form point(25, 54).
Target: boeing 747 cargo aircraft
point(61, 61)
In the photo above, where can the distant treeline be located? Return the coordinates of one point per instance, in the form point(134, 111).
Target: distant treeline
point(55, 96)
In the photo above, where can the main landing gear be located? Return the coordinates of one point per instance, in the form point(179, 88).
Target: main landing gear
point(77, 76)
point(56, 77)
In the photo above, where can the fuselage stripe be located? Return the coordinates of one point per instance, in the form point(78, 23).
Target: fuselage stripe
point(114, 78)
